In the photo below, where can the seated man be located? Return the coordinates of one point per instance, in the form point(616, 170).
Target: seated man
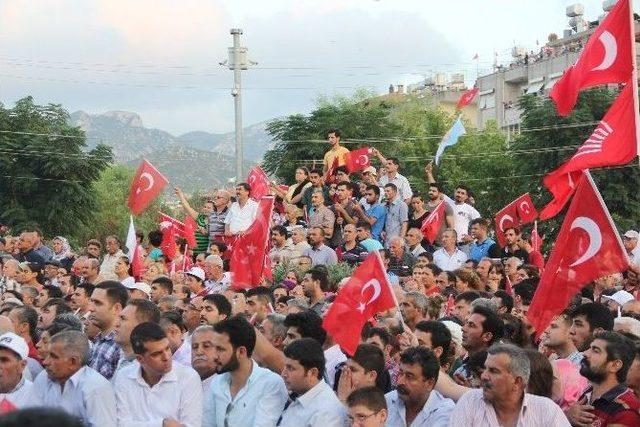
point(156, 390)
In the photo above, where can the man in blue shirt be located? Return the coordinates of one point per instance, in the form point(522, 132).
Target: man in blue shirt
point(483, 246)
point(376, 214)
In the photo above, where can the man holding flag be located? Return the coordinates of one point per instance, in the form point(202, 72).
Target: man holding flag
point(201, 219)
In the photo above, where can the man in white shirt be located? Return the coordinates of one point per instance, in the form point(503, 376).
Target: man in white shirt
point(241, 213)
point(216, 279)
point(69, 384)
point(136, 311)
point(243, 393)
point(449, 257)
point(463, 213)
point(107, 268)
point(156, 391)
point(203, 355)
point(312, 402)
point(630, 241)
point(392, 176)
point(13, 359)
point(415, 402)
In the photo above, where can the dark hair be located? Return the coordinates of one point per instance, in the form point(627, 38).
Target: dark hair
point(315, 171)
point(382, 333)
point(308, 323)
point(146, 311)
point(143, 333)
point(375, 189)
point(392, 186)
point(345, 171)
point(262, 292)
point(334, 131)
point(155, 238)
point(526, 289)
point(394, 160)
point(364, 224)
point(507, 300)
point(468, 296)
point(434, 268)
point(437, 186)
point(174, 318)
point(53, 291)
point(620, 348)
point(88, 288)
point(319, 273)
point(164, 282)
point(239, 331)
point(94, 242)
point(491, 323)
point(116, 292)
point(371, 398)
point(513, 330)
point(308, 352)
point(440, 336)
point(244, 185)
point(482, 222)
point(465, 188)
point(597, 315)
point(221, 302)
point(424, 357)
point(40, 417)
point(280, 229)
point(59, 303)
point(541, 377)
point(475, 362)
point(371, 358)
point(56, 327)
point(30, 316)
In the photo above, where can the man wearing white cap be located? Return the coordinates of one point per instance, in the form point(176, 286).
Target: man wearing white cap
point(138, 290)
point(616, 301)
point(13, 359)
point(630, 241)
point(195, 280)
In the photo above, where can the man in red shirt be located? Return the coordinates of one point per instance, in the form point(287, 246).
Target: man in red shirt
point(534, 257)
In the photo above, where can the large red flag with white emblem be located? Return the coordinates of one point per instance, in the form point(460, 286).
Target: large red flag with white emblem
point(250, 249)
point(432, 223)
point(367, 292)
point(467, 97)
point(561, 185)
point(587, 247)
point(259, 183)
point(146, 185)
point(358, 160)
point(520, 211)
point(606, 58)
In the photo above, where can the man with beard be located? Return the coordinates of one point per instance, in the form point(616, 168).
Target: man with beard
point(588, 320)
point(156, 391)
point(511, 247)
point(502, 400)
point(415, 402)
point(314, 284)
point(482, 329)
point(607, 401)
point(243, 392)
point(203, 355)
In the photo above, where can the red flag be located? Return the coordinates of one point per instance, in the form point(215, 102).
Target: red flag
point(451, 303)
point(146, 185)
point(367, 292)
point(467, 97)
point(259, 183)
point(328, 176)
point(189, 231)
point(507, 217)
point(536, 241)
point(561, 185)
point(135, 251)
point(508, 286)
point(251, 248)
point(587, 247)
point(358, 160)
point(613, 142)
point(526, 210)
point(606, 58)
point(168, 244)
point(432, 223)
point(177, 224)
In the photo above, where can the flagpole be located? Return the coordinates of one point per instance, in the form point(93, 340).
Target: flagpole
point(634, 78)
point(184, 256)
point(393, 294)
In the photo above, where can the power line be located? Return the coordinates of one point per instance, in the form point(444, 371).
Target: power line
point(38, 179)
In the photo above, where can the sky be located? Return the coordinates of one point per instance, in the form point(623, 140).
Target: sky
point(160, 58)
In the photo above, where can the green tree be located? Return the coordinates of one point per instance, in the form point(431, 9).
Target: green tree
point(46, 175)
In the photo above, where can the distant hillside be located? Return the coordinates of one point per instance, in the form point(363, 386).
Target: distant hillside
point(195, 160)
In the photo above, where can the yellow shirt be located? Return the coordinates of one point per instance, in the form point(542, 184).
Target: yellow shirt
point(339, 152)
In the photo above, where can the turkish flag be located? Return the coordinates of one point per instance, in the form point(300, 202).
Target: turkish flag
point(168, 244)
point(587, 247)
point(328, 176)
point(178, 225)
point(536, 240)
point(259, 183)
point(526, 210)
point(367, 292)
point(134, 251)
point(613, 142)
point(507, 217)
point(189, 231)
point(146, 185)
point(606, 58)
point(467, 97)
point(250, 249)
point(432, 223)
point(358, 160)
point(561, 185)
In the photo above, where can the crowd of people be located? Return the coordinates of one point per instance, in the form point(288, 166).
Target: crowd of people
point(84, 342)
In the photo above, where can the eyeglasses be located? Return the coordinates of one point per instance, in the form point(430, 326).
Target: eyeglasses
point(360, 418)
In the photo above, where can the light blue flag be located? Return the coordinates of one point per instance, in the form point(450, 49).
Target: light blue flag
point(451, 137)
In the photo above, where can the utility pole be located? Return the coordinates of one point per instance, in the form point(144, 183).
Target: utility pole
point(237, 62)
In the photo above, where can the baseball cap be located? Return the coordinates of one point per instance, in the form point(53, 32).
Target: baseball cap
point(196, 272)
point(456, 331)
point(371, 170)
point(141, 286)
point(631, 234)
point(15, 343)
point(621, 297)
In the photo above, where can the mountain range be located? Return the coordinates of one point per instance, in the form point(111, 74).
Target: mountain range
point(195, 160)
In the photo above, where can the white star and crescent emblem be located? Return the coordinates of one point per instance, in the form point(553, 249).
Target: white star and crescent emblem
point(501, 223)
point(376, 293)
point(251, 249)
point(149, 178)
point(363, 160)
point(525, 207)
point(165, 224)
point(610, 51)
point(595, 238)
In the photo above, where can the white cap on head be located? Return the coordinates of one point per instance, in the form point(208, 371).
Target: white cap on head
point(456, 331)
point(196, 272)
point(141, 286)
point(15, 343)
point(621, 297)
